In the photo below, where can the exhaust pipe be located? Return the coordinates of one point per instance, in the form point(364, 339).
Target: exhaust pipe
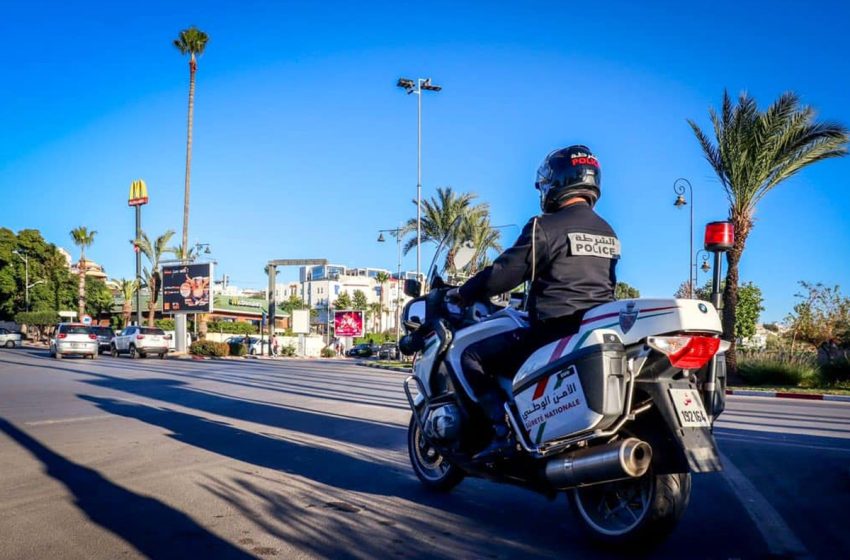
point(604, 463)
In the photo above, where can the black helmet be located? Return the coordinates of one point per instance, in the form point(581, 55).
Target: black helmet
point(566, 173)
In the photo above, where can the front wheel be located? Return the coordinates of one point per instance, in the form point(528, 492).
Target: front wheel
point(640, 511)
point(431, 468)
point(10, 344)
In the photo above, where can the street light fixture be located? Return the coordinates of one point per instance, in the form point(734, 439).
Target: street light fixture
point(381, 239)
point(679, 188)
point(416, 87)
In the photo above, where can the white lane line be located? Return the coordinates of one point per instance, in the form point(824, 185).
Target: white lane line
point(780, 540)
point(68, 420)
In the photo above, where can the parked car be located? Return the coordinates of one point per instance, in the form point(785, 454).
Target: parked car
point(361, 351)
point(73, 339)
point(9, 339)
point(138, 342)
point(104, 338)
point(388, 351)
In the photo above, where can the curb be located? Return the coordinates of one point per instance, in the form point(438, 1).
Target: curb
point(388, 368)
point(784, 395)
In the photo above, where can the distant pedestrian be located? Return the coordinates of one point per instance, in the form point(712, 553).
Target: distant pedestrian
point(274, 345)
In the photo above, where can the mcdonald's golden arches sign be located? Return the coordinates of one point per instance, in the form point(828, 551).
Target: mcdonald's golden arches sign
point(138, 193)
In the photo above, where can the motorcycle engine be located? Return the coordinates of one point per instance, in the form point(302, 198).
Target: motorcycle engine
point(443, 423)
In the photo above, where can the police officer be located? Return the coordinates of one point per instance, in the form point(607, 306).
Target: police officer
point(569, 254)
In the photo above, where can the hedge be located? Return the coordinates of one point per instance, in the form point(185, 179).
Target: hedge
point(231, 327)
point(208, 348)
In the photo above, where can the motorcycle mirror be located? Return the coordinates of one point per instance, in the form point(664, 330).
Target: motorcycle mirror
point(464, 255)
point(412, 288)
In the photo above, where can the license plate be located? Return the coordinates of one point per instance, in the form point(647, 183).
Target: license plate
point(76, 345)
point(689, 408)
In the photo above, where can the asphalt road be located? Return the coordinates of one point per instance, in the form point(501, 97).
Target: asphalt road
point(118, 458)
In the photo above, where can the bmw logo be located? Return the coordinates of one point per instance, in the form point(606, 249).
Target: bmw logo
point(703, 308)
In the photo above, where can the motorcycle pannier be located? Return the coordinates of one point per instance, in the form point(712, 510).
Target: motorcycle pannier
point(582, 391)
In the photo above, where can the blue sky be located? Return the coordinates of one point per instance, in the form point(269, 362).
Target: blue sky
point(304, 148)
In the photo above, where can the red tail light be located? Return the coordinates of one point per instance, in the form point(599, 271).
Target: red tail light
point(140, 336)
point(93, 336)
point(686, 352)
point(61, 335)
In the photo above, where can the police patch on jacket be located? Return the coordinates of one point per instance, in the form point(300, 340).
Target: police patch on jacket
point(590, 245)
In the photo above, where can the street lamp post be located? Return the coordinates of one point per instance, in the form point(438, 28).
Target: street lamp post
point(26, 260)
point(679, 188)
point(416, 87)
point(381, 239)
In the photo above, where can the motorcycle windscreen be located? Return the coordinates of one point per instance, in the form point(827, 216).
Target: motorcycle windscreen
point(582, 391)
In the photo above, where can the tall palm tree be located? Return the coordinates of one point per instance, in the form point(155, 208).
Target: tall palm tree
point(439, 216)
point(484, 238)
point(153, 252)
point(754, 152)
point(128, 290)
point(190, 41)
point(82, 238)
point(177, 251)
point(382, 278)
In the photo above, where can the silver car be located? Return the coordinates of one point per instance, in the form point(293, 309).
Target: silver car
point(9, 339)
point(73, 339)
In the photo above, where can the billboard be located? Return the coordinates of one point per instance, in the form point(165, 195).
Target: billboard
point(187, 288)
point(348, 323)
point(301, 321)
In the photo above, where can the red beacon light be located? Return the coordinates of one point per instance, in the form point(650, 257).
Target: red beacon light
point(719, 237)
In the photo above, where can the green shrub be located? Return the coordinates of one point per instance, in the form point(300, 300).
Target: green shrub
point(835, 372)
point(777, 369)
point(208, 348)
point(287, 351)
point(237, 349)
point(328, 352)
point(164, 324)
point(231, 327)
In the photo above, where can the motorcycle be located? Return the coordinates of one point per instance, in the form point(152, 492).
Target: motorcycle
point(617, 416)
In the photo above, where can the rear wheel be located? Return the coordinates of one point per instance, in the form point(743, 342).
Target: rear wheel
point(133, 353)
point(640, 511)
point(162, 356)
point(431, 468)
point(114, 351)
point(10, 344)
point(93, 356)
point(58, 355)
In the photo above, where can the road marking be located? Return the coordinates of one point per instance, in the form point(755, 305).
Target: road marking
point(68, 420)
point(776, 533)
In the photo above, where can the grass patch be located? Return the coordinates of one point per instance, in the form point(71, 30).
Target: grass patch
point(778, 370)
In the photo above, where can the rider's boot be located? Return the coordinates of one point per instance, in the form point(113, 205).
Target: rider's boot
point(502, 443)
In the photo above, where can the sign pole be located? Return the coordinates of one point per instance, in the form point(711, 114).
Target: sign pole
point(138, 265)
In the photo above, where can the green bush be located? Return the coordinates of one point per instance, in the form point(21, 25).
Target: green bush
point(328, 352)
point(777, 369)
point(287, 351)
point(164, 324)
point(208, 348)
point(237, 349)
point(231, 327)
point(835, 372)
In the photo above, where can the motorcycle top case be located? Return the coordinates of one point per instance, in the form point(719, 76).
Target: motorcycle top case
point(581, 391)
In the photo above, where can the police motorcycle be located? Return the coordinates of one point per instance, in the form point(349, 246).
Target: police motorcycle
point(617, 416)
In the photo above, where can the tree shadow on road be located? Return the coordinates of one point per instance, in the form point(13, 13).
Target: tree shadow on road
point(151, 527)
point(351, 430)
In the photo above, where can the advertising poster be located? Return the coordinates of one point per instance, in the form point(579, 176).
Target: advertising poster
point(348, 323)
point(301, 321)
point(187, 288)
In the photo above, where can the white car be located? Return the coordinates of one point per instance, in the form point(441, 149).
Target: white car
point(73, 339)
point(138, 342)
point(9, 339)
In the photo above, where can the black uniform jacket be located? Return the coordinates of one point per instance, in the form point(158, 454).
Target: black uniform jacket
point(574, 260)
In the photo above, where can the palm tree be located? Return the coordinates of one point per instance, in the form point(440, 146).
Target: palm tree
point(754, 152)
point(153, 252)
point(382, 278)
point(191, 41)
point(82, 238)
point(484, 238)
point(128, 290)
point(439, 216)
point(177, 251)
